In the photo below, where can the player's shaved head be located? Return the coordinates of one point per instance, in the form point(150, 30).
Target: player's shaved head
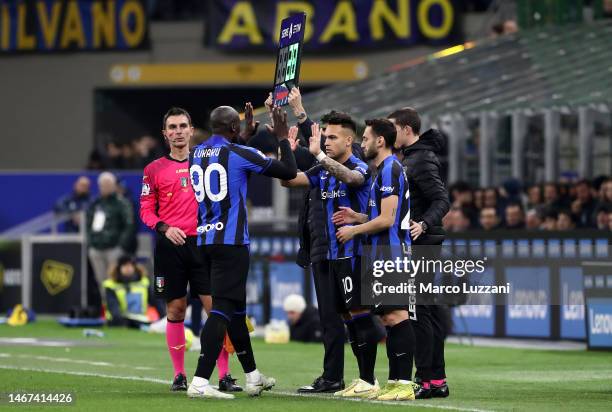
point(225, 120)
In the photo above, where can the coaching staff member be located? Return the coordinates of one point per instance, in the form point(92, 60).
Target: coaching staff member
point(429, 203)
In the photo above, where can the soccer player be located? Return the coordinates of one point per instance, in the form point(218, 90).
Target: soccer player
point(386, 226)
point(219, 170)
point(344, 180)
point(168, 206)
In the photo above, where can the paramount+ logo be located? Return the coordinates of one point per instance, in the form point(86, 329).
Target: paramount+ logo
point(210, 226)
point(56, 276)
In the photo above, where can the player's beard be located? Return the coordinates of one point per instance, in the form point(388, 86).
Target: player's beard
point(370, 153)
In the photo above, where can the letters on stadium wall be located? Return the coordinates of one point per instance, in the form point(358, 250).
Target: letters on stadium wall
point(72, 25)
point(333, 25)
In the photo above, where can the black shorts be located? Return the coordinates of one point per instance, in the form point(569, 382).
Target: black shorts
point(347, 274)
point(227, 267)
point(177, 266)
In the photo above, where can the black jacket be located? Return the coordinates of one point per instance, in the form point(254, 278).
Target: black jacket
point(313, 239)
point(308, 327)
point(429, 200)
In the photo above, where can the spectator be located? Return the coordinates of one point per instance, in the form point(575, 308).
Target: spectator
point(74, 203)
point(601, 216)
point(488, 218)
point(490, 198)
point(109, 227)
point(565, 220)
point(550, 220)
point(459, 220)
point(127, 293)
point(533, 219)
point(304, 324)
point(605, 192)
point(552, 198)
point(479, 199)
point(462, 197)
point(583, 207)
point(534, 197)
point(114, 156)
point(514, 216)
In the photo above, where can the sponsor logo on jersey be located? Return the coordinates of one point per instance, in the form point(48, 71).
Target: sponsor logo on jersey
point(210, 226)
point(387, 188)
point(333, 194)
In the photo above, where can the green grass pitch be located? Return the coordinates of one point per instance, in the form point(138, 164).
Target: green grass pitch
point(131, 370)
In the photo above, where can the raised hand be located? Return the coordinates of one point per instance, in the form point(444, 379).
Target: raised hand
point(315, 139)
point(250, 127)
point(293, 140)
point(279, 120)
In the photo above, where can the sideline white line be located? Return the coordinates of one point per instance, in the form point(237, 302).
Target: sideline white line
point(76, 361)
point(277, 393)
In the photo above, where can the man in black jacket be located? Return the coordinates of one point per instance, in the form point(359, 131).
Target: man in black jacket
point(429, 203)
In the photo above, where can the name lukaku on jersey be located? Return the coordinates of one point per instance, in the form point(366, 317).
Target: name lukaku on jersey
point(214, 151)
point(333, 194)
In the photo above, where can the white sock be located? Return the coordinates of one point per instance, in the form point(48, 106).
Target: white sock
point(253, 376)
point(197, 381)
point(403, 382)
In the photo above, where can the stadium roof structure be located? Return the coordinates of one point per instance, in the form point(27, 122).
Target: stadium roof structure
point(555, 67)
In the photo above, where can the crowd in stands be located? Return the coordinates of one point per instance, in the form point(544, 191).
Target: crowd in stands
point(135, 154)
point(583, 204)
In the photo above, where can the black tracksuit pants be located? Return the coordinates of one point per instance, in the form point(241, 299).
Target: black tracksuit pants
point(331, 322)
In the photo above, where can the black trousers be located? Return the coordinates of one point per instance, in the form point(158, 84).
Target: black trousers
point(331, 322)
point(430, 331)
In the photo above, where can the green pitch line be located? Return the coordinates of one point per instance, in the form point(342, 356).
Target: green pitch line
point(130, 370)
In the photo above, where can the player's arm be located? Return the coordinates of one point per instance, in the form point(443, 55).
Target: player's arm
point(148, 200)
point(347, 216)
point(148, 211)
point(352, 178)
point(285, 167)
point(301, 180)
point(381, 222)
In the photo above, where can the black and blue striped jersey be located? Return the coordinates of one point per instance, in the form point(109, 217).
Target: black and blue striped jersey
point(219, 172)
point(336, 193)
point(390, 180)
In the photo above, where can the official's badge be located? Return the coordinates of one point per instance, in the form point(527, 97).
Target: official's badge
point(184, 182)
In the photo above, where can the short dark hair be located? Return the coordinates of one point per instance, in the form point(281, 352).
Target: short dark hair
point(584, 182)
point(176, 111)
point(384, 128)
point(407, 116)
point(340, 119)
point(515, 204)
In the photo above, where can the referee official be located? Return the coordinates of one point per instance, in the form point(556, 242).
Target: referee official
point(429, 203)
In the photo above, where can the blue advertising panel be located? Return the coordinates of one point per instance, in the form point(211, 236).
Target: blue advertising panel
point(285, 279)
point(255, 292)
point(527, 309)
point(572, 303)
point(478, 316)
point(599, 331)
